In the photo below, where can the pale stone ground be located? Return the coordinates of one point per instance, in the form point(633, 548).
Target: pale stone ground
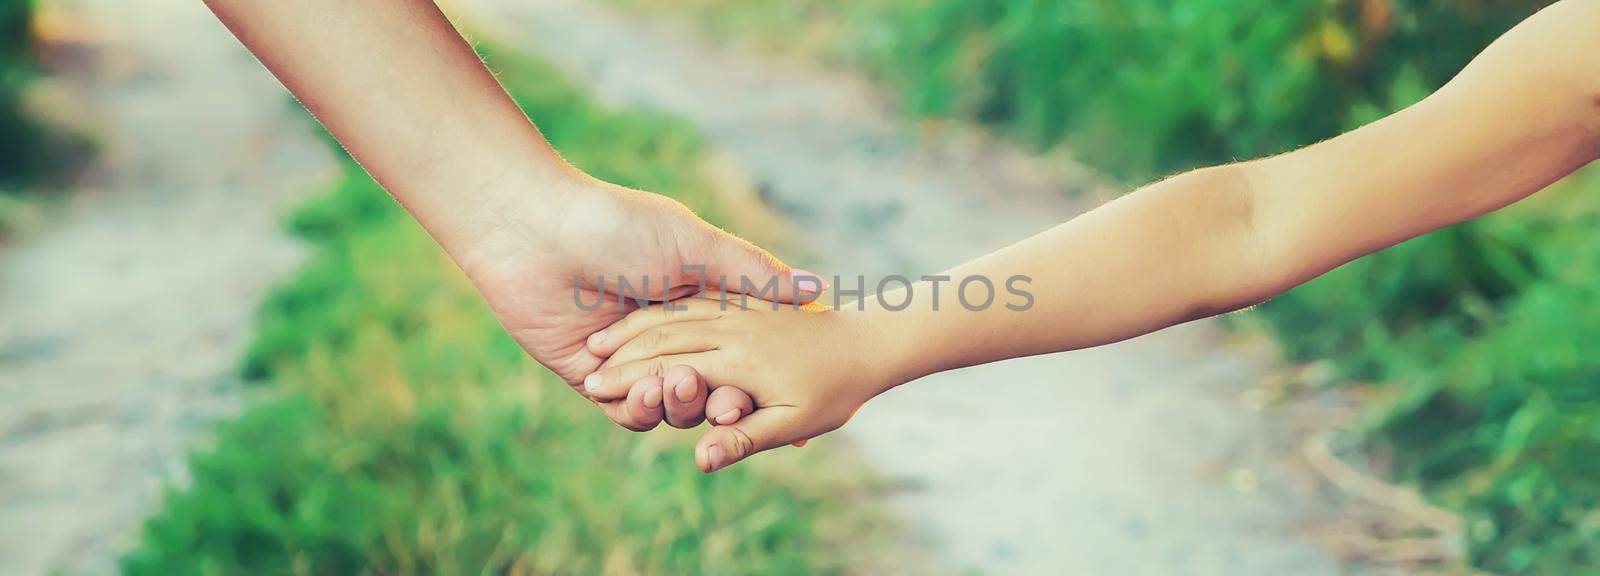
point(121, 323)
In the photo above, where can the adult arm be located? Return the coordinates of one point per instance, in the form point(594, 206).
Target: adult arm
point(395, 83)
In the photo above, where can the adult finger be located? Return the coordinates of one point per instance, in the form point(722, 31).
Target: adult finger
point(739, 266)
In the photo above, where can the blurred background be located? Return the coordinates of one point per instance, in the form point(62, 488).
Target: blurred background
point(223, 349)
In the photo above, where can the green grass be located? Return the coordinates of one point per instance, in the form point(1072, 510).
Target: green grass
point(17, 215)
point(404, 432)
point(35, 155)
point(1485, 332)
point(23, 141)
point(19, 136)
point(1486, 335)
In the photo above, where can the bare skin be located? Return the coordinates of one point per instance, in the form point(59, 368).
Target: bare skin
point(410, 100)
point(1523, 114)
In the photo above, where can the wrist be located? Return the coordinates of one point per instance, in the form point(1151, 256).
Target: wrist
point(897, 357)
point(511, 214)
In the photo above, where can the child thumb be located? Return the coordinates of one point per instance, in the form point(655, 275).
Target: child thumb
point(762, 430)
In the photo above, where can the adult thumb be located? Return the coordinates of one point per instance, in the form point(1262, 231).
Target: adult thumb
point(734, 265)
point(762, 430)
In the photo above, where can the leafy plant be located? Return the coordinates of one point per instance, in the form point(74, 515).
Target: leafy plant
point(20, 137)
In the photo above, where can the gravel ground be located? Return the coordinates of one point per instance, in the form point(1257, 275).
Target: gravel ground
point(122, 320)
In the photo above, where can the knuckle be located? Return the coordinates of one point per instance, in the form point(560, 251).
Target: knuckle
point(628, 422)
point(624, 326)
point(737, 360)
point(656, 367)
point(686, 422)
point(654, 339)
point(620, 416)
point(743, 444)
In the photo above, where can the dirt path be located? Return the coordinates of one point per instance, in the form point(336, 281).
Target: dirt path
point(120, 325)
point(1139, 458)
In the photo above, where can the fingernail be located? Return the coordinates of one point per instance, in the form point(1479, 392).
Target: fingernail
point(716, 457)
point(684, 389)
point(801, 443)
point(652, 397)
point(729, 417)
point(592, 382)
point(815, 285)
point(597, 339)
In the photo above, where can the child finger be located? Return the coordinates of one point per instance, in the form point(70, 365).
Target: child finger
point(613, 382)
point(727, 405)
point(644, 405)
point(686, 396)
point(680, 338)
point(634, 412)
point(606, 342)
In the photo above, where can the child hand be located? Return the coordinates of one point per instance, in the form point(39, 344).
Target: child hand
point(807, 369)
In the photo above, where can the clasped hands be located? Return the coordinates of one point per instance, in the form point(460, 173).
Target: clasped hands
point(798, 367)
point(543, 268)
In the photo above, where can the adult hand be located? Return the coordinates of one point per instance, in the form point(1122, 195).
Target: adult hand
point(545, 259)
point(409, 99)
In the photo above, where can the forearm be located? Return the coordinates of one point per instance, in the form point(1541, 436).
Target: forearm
point(394, 82)
point(1177, 250)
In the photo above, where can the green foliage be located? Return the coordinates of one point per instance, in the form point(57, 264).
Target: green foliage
point(405, 433)
point(1105, 76)
point(1488, 332)
point(31, 151)
point(1140, 88)
point(1506, 427)
point(21, 139)
point(16, 215)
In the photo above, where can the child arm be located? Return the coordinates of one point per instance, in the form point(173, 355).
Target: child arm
point(1525, 113)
